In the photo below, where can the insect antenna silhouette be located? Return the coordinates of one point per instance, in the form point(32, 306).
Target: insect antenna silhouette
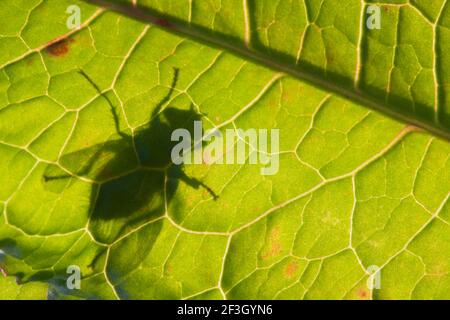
point(140, 194)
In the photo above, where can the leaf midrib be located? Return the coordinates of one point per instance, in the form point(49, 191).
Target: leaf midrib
point(176, 26)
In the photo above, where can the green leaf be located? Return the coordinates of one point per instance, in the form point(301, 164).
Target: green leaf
point(400, 68)
point(10, 290)
point(85, 122)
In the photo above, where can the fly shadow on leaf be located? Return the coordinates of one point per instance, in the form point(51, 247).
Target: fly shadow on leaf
point(128, 199)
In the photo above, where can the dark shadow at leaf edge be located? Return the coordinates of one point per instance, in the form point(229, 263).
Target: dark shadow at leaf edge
point(396, 107)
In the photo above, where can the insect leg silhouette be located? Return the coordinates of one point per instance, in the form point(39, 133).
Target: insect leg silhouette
point(112, 108)
point(164, 100)
point(83, 172)
point(90, 163)
point(195, 183)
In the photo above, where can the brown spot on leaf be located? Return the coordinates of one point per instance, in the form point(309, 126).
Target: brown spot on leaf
point(163, 23)
point(363, 294)
point(169, 269)
point(290, 269)
point(59, 48)
point(274, 245)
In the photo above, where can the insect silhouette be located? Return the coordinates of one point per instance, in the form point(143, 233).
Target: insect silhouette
point(139, 194)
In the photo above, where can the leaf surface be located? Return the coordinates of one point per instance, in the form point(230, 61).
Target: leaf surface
point(355, 188)
point(10, 290)
point(399, 68)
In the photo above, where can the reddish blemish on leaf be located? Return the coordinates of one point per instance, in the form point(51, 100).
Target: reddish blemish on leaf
point(169, 269)
point(274, 247)
point(290, 269)
point(363, 294)
point(163, 23)
point(59, 48)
